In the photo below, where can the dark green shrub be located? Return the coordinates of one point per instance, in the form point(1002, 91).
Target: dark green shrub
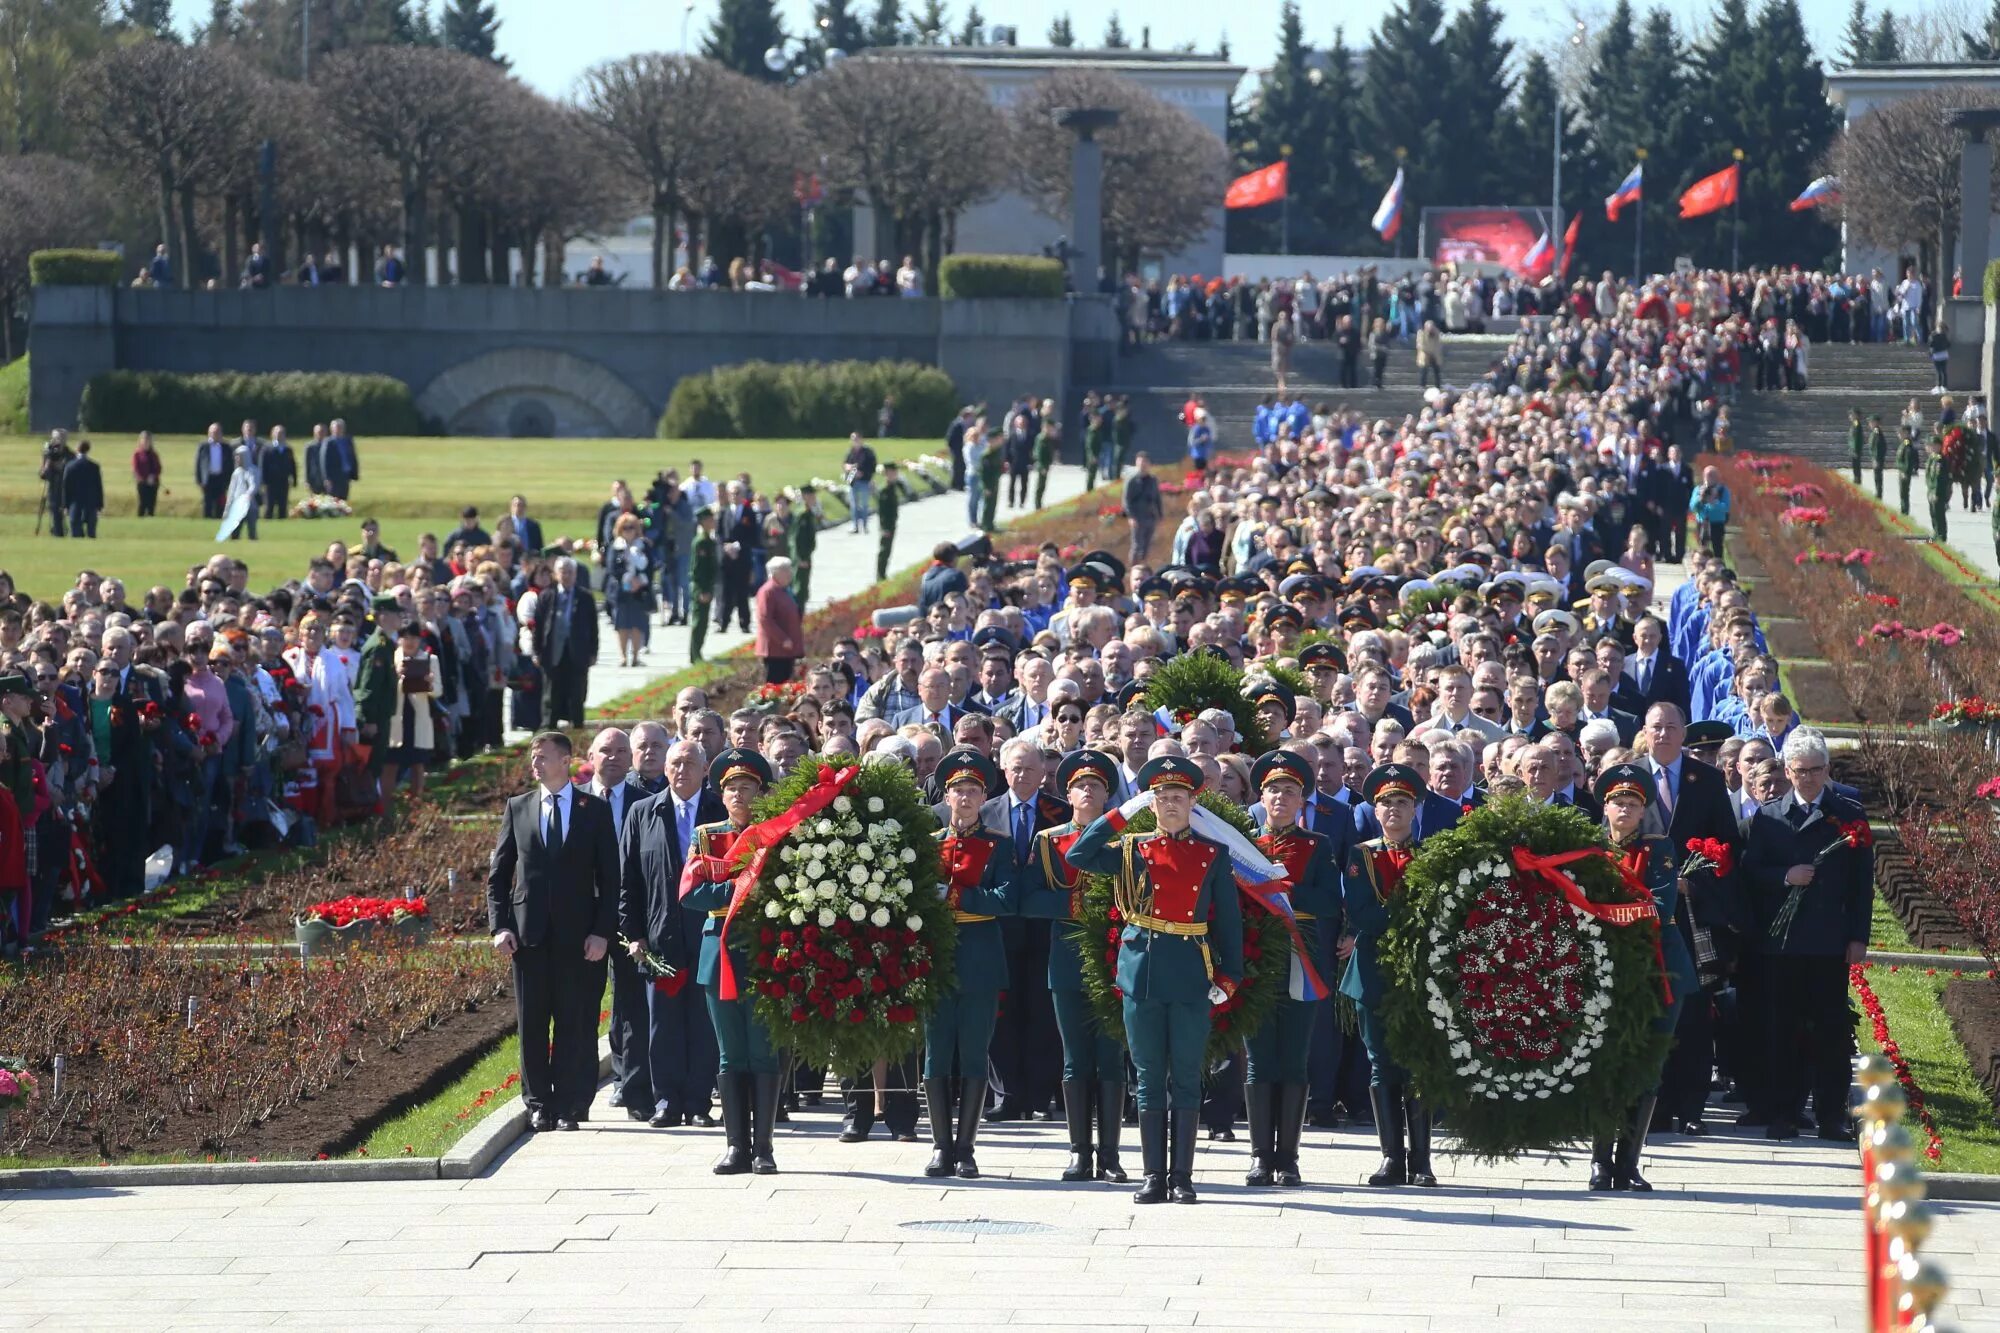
point(73, 268)
point(695, 412)
point(967, 277)
point(759, 400)
point(132, 400)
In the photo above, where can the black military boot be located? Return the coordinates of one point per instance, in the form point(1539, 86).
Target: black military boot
point(974, 1099)
point(735, 1159)
point(1153, 1157)
point(1418, 1120)
point(1076, 1111)
point(1625, 1166)
point(1110, 1125)
point(937, 1093)
point(860, 1114)
point(763, 1115)
point(1181, 1127)
point(1388, 1104)
point(1291, 1126)
point(1259, 1102)
point(1600, 1164)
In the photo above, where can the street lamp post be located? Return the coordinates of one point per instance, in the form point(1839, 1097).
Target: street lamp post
point(1285, 204)
point(1639, 228)
point(1736, 216)
point(1401, 153)
point(1556, 264)
point(687, 12)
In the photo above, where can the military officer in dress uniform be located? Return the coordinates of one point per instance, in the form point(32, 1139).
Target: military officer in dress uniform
point(1373, 876)
point(1181, 948)
point(747, 1074)
point(1275, 1086)
point(979, 886)
point(1626, 792)
point(1093, 1061)
point(707, 566)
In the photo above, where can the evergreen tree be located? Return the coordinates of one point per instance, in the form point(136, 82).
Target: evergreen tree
point(1858, 38)
point(1475, 115)
point(1404, 85)
point(472, 27)
point(1532, 153)
point(742, 31)
point(154, 17)
point(932, 24)
point(886, 28)
point(1887, 44)
point(1985, 43)
point(974, 31)
point(1660, 84)
point(413, 27)
point(1061, 33)
point(1222, 47)
point(1789, 127)
point(221, 27)
point(835, 28)
point(1114, 34)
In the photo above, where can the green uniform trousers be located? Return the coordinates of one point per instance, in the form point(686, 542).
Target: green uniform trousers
point(1878, 481)
point(959, 1031)
point(745, 1045)
point(882, 554)
point(1167, 1042)
point(1281, 1048)
point(1041, 485)
point(1903, 492)
point(698, 625)
point(1089, 1056)
point(1383, 1072)
point(989, 503)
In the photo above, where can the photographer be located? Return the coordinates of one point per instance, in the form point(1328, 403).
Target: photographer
point(56, 456)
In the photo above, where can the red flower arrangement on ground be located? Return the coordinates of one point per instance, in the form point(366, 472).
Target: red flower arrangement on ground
point(1972, 709)
point(347, 911)
point(487, 1095)
point(1988, 790)
point(1878, 1024)
point(1803, 516)
point(777, 696)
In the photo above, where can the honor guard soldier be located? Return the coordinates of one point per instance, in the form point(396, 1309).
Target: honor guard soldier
point(1275, 1086)
point(1181, 948)
point(1374, 875)
point(748, 1070)
point(979, 887)
point(1626, 791)
point(1093, 1062)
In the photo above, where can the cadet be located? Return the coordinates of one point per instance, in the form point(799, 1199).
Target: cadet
point(1625, 791)
point(748, 1070)
point(1374, 876)
point(979, 884)
point(1857, 438)
point(1122, 427)
point(1938, 482)
point(1093, 442)
point(1181, 948)
point(1093, 1062)
point(1275, 1086)
point(804, 540)
point(706, 568)
point(992, 461)
point(1879, 442)
point(1045, 457)
point(888, 504)
point(1909, 457)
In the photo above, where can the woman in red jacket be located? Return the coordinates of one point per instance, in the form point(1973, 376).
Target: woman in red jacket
point(146, 473)
point(781, 636)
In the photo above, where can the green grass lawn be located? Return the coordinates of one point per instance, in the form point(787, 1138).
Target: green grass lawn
point(1912, 1002)
point(412, 484)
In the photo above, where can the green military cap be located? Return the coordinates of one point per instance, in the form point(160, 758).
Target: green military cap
point(1282, 766)
point(384, 601)
point(1088, 764)
point(16, 683)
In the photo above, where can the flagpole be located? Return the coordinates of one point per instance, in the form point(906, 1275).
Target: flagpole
point(1639, 225)
point(1401, 153)
point(1736, 215)
point(1285, 205)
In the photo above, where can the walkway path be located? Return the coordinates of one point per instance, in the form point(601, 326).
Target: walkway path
point(1971, 535)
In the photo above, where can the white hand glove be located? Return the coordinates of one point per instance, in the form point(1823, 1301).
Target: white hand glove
point(1143, 801)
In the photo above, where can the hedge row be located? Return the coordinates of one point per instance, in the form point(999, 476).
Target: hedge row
point(1990, 288)
point(73, 268)
point(967, 277)
point(133, 400)
point(763, 400)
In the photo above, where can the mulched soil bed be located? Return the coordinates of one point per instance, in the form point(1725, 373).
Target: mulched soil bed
point(1973, 1005)
point(1817, 694)
point(1930, 924)
point(1790, 640)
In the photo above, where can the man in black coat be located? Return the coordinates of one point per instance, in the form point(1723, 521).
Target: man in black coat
point(740, 535)
point(1653, 674)
point(83, 492)
point(680, 1040)
point(281, 469)
point(565, 640)
point(1801, 842)
point(1027, 1048)
point(552, 904)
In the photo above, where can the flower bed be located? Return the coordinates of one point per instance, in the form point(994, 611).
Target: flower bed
point(1878, 1023)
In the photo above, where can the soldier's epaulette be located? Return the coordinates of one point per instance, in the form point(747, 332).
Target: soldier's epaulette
point(718, 826)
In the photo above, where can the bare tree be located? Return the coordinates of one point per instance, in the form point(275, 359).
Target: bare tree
point(1936, 29)
point(329, 187)
point(752, 186)
point(419, 109)
point(45, 203)
point(919, 140)
point(1898, 169)
point(1164, 172)
point(553, 184)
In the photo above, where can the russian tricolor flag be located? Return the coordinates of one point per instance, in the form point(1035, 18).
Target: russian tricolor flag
point(1538, 253)
point(1389, 213)
point(1824, 191)
point(1628, 192)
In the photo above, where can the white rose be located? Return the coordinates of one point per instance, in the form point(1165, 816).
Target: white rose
point(1465, 877)
point(857, 874)
point(772, 910)
point(857, 913)
point(785, 853)
point(783, 882)
point(909, 856)
point(842, 805)
point(903, 886)
point(875, 806)
point(864, 853)
point(825, 827)
point(878, 877)
point(892, 826)
point(879, 917)
point(798, 917)
point(816, 871)
point(873, 893)
point(914, 922)
point(826, 918)
point(852, 828)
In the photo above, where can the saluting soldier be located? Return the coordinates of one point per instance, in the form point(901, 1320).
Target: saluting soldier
point(804, 540)
point(1094, 427)
point(1180, 949)
point(1281, 1049)
point(706, 568)
point(1093, 1062)
point(1373, 877)
point(1625, 791)
point(979, 888)
point(748, 1070)
point(1045, 456)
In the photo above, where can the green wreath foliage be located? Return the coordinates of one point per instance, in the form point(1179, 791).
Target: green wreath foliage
point(1187, 684)
point(1430, 914)
point(1267, 950)
point(794, 962)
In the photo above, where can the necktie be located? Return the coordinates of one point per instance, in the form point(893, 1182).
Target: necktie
point(1645, 674)
point(554, 839)
point(1664, 780)
point(1801, 811)
point(1024, 830)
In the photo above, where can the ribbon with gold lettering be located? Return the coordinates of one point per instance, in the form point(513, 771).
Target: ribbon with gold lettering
point(1548, 869)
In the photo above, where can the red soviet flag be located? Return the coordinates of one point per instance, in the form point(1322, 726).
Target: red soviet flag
point(1710, 194)
point(1263, 186)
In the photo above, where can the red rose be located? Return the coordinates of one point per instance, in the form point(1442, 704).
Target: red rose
point(797, 985)
point(763, 962)
point(857, 1016)
point(767, 937)
point(798, 1014)
point(788, 939)
point(843, 928)
point(811, 935)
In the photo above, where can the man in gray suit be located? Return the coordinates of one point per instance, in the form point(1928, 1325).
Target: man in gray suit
point(1027, 1048)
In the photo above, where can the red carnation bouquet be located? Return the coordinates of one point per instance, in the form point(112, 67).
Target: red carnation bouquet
point(339, 912)
point(1850, 834)
point(1707, 854)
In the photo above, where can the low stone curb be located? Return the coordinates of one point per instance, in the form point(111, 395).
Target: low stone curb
point(467, 1158)
point(1942, 962)
point(1959, 1187)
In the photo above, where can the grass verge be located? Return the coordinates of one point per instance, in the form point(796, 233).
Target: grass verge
point(1912, 1001)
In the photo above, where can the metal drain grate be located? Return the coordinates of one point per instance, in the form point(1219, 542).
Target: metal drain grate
point(982, 1226)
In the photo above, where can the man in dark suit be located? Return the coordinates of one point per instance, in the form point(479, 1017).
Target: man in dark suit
point(552, 904)
point(680, 1040)
point(1656, 675)
point(340, 460)
point(565, 640)
point(934, 707)
point(611, 765)
point(213, 462)
point(281, 469)
point(1599, 702)
point(83, 492)
point(1026, 1053)
point(1798, 845)
point(741, 534)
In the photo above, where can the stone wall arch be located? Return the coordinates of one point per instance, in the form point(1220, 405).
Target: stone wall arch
point(535, 391)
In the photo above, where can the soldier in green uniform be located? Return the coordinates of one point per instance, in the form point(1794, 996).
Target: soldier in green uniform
point(1938, 482)
point(1093, 1062)
point(1093, 440)
point(705, 568)
point(1909, 457)
point(1122, 427)
point(1045, 457)
point(1179, 954)
point(888, 507)
point(1879, 441)
point(1857, 439)
point(804, 541)
point(979, 886)
point(1275, 1080)
point(375, 684)
point(992, 462)
point(1373, 876)
point(748, 1073)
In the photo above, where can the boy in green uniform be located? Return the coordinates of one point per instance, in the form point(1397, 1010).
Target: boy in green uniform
point(804, 541)
point(1938, 482)
point(1908, 459)
point(1093, 440)
point(991, 465)
point(888, 507)
point(1045, 458)
point(375, 683)
point(1857, 437)
point(1880, 443)
point(705, 567)
point(1121, 434)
